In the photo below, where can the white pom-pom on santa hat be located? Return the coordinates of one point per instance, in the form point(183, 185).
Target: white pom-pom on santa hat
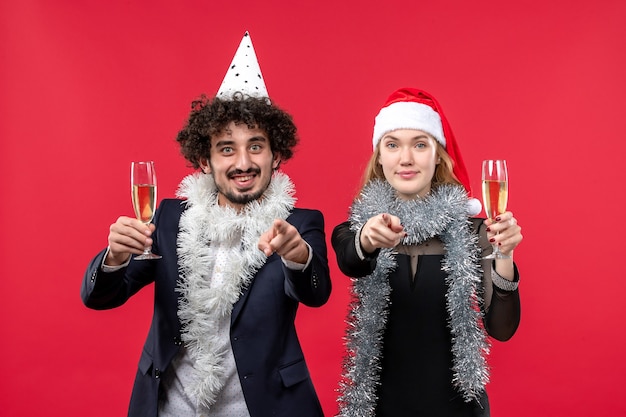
point(473, 206)
point(243, 74)
point(411, 108)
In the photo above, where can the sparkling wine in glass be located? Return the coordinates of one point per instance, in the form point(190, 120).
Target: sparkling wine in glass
point(143, 183)
point(495, 195)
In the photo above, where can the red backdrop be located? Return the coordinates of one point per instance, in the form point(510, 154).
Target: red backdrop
point(88, 86)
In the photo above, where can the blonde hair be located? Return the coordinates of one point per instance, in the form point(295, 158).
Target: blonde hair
point(443, 172)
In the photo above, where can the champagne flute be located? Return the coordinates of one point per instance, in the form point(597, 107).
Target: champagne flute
point(143, 185)
point(495, 195)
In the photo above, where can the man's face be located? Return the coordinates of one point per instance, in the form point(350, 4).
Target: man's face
point(241, 163)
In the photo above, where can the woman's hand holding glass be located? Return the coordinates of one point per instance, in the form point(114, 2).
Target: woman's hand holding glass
point(504, 232)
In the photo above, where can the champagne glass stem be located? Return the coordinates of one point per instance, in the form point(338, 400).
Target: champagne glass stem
point(496, 253)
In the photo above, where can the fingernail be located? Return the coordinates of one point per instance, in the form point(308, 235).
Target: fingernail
point(498, 218)
point(499, 243)
point(489, 229)
point(493, 239)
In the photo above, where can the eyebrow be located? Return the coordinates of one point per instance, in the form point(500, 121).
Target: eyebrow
point(253, 139)
point(422, 136)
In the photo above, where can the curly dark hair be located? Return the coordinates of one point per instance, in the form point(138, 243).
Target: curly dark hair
point(209, 118)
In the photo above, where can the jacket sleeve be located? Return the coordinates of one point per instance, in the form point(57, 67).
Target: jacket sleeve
point(502, 308)
point(349, 262)
point(311, 286)
point(105, 290)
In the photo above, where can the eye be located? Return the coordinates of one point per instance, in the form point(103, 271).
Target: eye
point(227, 149)
point(256, 147)
point(391, 145)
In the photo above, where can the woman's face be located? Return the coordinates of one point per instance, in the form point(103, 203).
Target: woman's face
point(408, 158)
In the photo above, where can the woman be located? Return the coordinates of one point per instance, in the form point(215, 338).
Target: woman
point(424, 301)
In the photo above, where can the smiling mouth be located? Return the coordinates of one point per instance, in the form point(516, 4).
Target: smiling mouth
point(243, 179)
point(407, 174)
point(244, 184)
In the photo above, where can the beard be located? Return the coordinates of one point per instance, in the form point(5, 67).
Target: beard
point(242, 197)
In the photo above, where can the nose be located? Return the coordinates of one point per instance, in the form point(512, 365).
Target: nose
point(243, 161)
point(406, 156)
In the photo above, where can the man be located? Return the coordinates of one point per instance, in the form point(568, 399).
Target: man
point(237, 259)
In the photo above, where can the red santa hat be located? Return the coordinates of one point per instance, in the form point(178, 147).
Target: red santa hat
point(411, 108)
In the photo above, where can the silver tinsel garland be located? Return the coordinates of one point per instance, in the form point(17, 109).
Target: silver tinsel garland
point(203, 227)
point(442, 213)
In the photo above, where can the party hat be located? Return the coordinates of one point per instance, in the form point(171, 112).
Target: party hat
point(243, 74)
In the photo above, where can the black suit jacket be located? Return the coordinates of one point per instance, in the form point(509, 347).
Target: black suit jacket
point(270, 363)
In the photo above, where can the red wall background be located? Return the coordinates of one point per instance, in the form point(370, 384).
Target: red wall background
point(88, 86)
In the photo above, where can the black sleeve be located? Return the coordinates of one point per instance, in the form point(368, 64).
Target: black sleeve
point(105, 290)
point(502, 308)
point(504, 312)
point(348, 260)
point(312, 286)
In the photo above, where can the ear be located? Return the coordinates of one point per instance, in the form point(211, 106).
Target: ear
point(276, 162)
point(204, 165)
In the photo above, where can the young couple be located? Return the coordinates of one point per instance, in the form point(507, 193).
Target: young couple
point(238, 258)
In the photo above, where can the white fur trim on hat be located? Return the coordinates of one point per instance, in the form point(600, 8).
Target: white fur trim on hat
point(408, 115)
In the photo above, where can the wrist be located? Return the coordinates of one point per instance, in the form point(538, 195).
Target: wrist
point(302, 254)
point(113, 259)
point(501, 283)
point(505, 268)
point(365, 244)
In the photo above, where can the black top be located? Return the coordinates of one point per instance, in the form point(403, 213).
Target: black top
point(417, 357)
point(416, 375)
